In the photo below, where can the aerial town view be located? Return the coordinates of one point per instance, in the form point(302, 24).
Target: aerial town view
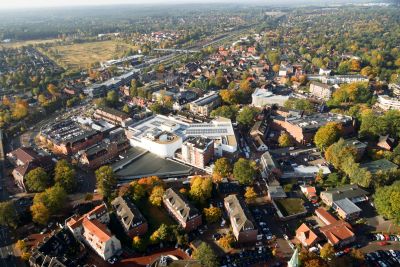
point(190, 133)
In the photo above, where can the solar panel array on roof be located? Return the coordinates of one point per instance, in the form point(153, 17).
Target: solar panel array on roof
point(156, 123)
point(207, 131)
point(144, 128)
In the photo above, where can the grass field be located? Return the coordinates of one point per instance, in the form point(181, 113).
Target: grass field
point(290, 206)
point(30, 42)
point(81, 56)
point(155, 215)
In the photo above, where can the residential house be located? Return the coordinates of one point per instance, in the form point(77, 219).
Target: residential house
point(26, 159)
point(182, 211)
point(204, 105)
point(306, 236)
point(353, 192)
point(337, 232)
point(132, 221)
point(240, 217)
point(321, 90)
point(386, 102)
point(310, 192)
point(92, 230)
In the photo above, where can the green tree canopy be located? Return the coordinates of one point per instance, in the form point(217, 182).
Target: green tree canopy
point(206, 255)
point(65, 175)
point(387, 201)
point(106, 181)
point(246, 116)
point(244, 171)
point(222, 169)
point(37, 180)
point(327, 135)
point(8, 214)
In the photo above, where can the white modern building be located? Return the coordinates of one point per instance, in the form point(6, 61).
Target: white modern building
point(385, 102)
point(340, 79)
point(263, 97)
point(92, 230)
point(163, 136)
point(321, 90)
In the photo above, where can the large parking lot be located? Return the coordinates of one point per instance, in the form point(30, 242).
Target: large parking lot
point(383, 258)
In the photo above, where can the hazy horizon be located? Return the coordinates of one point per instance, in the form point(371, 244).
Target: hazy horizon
point(22, 4)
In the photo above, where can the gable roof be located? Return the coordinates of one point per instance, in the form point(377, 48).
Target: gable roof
point(338, 231)
point(239, 213)
point(325, 216)
point(97, 212)
point(345, 191)
point(182, 207)
point(306, 235)
point(97, 229)
point(24, 154)
point(128, 214)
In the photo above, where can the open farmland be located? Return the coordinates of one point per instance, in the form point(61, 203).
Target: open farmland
point(80, 56)
point(29, 42)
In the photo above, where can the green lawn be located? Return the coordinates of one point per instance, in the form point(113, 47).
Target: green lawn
point(290, 206)
point(155, 215)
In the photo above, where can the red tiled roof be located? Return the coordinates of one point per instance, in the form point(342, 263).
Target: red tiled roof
point(24, 154)
point(97, 228)
point(76, 221)
point(306, 235)
point(337, 231)
point(322, 213)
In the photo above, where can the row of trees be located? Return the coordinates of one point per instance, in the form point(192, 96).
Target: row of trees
point(244, 171)
point(38, 180)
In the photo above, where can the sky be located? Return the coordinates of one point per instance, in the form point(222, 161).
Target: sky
point(7, 4)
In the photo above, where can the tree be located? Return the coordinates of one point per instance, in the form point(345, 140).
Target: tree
point(37, 180)
point(112, 98)
point(227, 241)
point(53, 198)
point(160, 234)
point(19, 110)
point(284, 140)
point(222, 169)
point(299, 104)
point(21, 246)
point(327, 135)
point(244, 171)
point(276, 68)
point(228, 112)
point(126, 109)
point(327, 251)
point(137, 243)
point(387, 199)
point(136, 191)
point(65, 175)
point(245, 86)
point(8, 214)
point(246, 116)
point(40, 213)
point(250, 195)
point(53, 90)
point(106, 181)
point(206, 256)
point(212, 214)
point(230, 97)
point(200, 188)
point(156, 195)
point(339, 152)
